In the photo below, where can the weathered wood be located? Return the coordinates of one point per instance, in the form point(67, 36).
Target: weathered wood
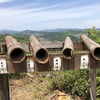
point(87, 96)
point(71, 64)
point(40, 53)
point(4, 87)
point(18, 68)
point(56, 45)
point(95, 64)
point(15, 52)
point(25, 46)
point(54, 49)
point(59, 45)
point(93, 83)
point(92, 46)
point(68, 49)
point(53, 45)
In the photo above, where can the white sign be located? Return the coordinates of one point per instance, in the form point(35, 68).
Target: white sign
point(3, 66)
point(30, 65)
point(84, 62)
point(57, 63)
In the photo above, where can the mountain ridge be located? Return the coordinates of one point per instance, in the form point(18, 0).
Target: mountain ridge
point(7, 31)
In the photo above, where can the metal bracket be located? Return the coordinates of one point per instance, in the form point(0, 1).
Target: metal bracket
point(57, 63)
point(3, 66)
point(84, 62)
point(30, 65)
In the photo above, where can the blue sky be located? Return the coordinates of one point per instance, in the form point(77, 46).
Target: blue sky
point(49, 14)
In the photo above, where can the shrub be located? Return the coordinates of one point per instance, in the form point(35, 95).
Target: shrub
point(74, 82)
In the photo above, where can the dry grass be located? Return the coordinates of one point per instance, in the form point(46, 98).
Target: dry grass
point(35, 88)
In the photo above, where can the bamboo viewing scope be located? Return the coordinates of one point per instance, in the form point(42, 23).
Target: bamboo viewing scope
point(15, 52)
point(40, 53)
point(92, 46)
point(68, 48)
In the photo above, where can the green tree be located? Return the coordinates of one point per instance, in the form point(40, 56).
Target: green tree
point(94, 34)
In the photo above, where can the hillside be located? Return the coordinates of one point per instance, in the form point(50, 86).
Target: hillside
point(54, 36)
point(60, 36)
point(46, 35)
point(5, 31)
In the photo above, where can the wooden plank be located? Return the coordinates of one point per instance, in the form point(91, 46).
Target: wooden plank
point(59, 45)
point(56, 45)
point(42, 67)
point(25, 46)
point(18, 67)
point(95, 64)
point(52, 57)
point(4, 87)
point(1, 50)
point(75, 62)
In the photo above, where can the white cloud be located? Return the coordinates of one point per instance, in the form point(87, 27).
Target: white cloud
point(40, 17)
point(4, 1)
point(91, 23)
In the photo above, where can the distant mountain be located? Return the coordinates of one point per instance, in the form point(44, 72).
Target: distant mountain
point(54, 30)
point(5, 31)
point(61, 30)
point(60, 36)
point(30, 32)
point(98, 28)
point(51, 35)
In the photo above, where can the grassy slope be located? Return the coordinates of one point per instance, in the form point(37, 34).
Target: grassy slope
point(60, 36)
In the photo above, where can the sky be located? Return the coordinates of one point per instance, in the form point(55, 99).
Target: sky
point(49, 14)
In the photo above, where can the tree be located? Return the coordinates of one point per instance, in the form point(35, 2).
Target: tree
point(94, 34)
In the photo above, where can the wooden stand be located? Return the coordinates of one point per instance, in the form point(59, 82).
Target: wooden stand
point(4, 87)
point(93, 84)
point(91, 94)
point(81, 59)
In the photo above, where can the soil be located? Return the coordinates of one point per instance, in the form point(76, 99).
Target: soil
point(35, 88)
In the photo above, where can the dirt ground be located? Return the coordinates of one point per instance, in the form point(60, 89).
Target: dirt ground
point(35, 88)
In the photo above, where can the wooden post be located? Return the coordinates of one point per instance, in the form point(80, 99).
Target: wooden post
point(93, 83)
point(87, 96)
point(4, 87)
